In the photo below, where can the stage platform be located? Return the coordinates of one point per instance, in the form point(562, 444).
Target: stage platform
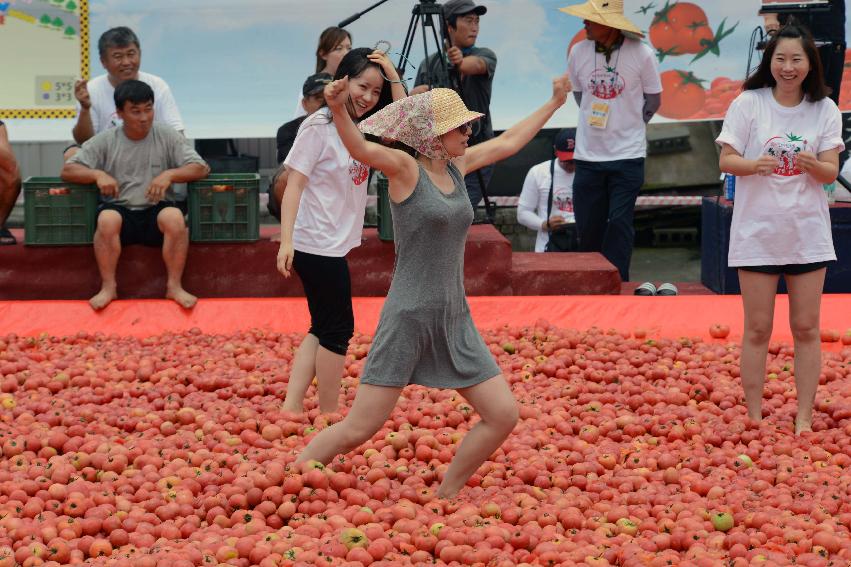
point(248, 270)
point(672, 317)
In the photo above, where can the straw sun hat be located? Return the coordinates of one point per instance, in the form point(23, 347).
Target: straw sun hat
point(606, 12)
point(418, 121)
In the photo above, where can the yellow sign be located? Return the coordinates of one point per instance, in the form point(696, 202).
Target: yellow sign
point(45, 47)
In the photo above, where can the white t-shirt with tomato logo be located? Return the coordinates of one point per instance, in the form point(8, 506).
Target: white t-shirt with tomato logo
point(330, 215)
point(621, 84)
point(782, 218)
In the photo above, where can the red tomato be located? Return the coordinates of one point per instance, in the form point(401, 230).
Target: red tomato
point(580, 36)
point(719, 331)
point(682, 94)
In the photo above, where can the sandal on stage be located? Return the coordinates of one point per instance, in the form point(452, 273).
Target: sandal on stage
point(7, 238)
point(647, 288)
point(667, 289)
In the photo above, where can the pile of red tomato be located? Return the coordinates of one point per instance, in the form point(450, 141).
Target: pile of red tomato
point(632, 449)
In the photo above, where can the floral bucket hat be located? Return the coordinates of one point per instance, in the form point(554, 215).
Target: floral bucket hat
point(418, 121)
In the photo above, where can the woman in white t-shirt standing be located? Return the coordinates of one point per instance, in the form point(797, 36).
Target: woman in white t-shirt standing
point(781, 138)
point(334, 44)
point(322, 220)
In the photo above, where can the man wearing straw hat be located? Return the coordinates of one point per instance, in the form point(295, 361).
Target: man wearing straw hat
point(617, 87)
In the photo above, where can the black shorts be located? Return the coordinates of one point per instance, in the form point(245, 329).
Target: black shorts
point(328, 287)
point(139, 226)
point(787, 269)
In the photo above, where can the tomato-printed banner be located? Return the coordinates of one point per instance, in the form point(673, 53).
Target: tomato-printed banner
point(703, 48)
point(236, 68)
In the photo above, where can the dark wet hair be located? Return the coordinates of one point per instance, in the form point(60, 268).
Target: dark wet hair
point(117, 37)
point(328, 40)
point(353, 64)
point(133, 91)
point(813, 85)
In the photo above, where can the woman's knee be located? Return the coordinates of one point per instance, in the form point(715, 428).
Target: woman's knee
point(504, 416)
point(335, 339)
point(758, 332)
point(805, 330)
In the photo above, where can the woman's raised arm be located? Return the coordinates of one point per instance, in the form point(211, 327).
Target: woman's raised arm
point(512, 140)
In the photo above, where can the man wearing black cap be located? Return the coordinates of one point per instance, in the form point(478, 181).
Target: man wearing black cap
point(476, 66)
point(546, 200)
point(312, 100)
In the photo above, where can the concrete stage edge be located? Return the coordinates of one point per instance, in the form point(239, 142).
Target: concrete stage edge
point(661, 316)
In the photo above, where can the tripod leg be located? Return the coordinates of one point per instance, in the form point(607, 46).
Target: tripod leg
point(427, 21)
point(409, 41)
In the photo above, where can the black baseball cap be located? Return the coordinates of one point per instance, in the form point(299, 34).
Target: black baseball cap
point(565, 143)
point(461, 7)
point(315, 84)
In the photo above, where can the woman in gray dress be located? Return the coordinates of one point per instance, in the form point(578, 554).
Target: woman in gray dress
point(426, 335)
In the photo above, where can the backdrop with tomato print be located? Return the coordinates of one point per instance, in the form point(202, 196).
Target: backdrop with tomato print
point(704, 49)
point(236, 68)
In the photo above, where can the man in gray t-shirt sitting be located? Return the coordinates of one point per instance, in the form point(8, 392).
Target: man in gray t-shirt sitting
point(134, 166)
point(476, 66)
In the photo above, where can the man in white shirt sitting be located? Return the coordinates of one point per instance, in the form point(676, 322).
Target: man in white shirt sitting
point(546, 201)
point(121, 55)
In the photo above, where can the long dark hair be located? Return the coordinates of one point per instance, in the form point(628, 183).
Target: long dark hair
point(813, 85)
point(328, 40)
point(353, 64)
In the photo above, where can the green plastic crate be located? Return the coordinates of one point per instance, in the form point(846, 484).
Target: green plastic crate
point(224, 207)
point(58, 213)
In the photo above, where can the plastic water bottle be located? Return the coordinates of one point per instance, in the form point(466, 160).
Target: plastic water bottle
point(729, 187)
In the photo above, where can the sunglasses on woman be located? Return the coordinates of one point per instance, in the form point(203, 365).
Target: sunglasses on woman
point(465, 129)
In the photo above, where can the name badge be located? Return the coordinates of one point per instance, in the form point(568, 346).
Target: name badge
point(599, 116)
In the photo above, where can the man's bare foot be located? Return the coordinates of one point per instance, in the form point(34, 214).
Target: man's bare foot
point(103, 298)
point(182, 297)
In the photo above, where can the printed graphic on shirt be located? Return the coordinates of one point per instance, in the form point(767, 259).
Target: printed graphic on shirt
point(358, 171)
point(606, 83)
point(785, 150)
point(564, 203)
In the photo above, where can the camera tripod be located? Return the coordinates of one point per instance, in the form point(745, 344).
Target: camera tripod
point(438, 70)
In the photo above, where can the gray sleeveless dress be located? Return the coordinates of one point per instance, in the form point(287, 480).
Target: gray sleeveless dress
point(425, 334)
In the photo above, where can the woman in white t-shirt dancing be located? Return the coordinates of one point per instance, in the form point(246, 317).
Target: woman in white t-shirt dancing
point(322, 220)
point(781, 138)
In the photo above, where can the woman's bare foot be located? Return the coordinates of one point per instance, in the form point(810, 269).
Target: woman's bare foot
point(803, 424)
point(754, 423)
point(103, 298)
point(755, 417)
point(181, 297)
